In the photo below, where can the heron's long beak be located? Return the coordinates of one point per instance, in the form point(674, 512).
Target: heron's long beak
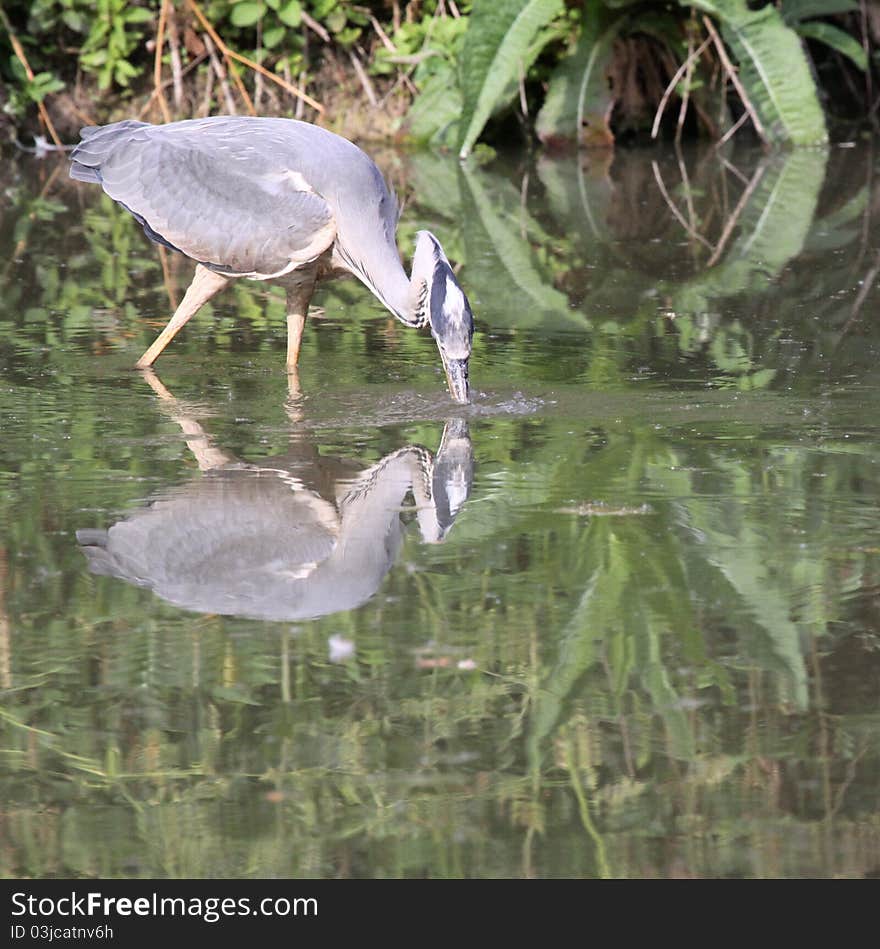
point(456, 376)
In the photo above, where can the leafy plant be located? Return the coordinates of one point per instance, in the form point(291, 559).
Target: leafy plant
point(110, 42)
point(801, 16)
point(765, 44)
point(773, 70)
point(433, 47)
point(30, 91)
point(578, 102)
point(502, 41)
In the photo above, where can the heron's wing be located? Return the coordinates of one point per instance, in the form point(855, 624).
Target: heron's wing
point(225, 204)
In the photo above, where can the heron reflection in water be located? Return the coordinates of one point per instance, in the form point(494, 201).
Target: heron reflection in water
point(292, 538)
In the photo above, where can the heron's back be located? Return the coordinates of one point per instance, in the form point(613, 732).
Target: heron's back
point(252, 190)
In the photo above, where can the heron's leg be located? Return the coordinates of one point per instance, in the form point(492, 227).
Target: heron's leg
point(204, 285)
point(198, 440)
point(299, 294)
point(294, 401)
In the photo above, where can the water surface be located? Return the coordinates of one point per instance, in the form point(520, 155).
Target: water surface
point(619, 617)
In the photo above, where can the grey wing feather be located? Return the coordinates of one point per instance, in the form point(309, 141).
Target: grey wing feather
point(94, 148)
point(227, 206)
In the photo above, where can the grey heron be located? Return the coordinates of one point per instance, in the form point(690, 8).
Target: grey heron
point(292, 538)
point(275, 199)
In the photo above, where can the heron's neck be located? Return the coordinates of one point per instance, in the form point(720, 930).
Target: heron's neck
point(404, 296)
point(405, 299)
point(383, 273)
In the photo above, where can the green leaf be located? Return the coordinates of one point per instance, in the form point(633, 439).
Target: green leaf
point(793, 11)
point(335, 21)
point(757, 380)
point(773, 68)
point(247, 13)
point(434, 115)
point(578, 98)
point(43, 79)
point(138, 15)
point(497, 40)
point(123, 71)
point(75, 20)
point(92, 60)
point(291, 13)
point(837, 39)
point(42, 85)
point(272, 37)
point(348, 36)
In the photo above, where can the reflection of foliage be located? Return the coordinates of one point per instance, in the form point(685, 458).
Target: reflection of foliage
point(499, 221)
point(147, 725)
point(669, 593)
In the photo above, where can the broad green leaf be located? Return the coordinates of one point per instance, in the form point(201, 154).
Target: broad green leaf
point(138, 15)
point(291, 13)
point(75, 20)
point(246, 14)
point(773, 68)
point(578, 100)
point(793, 11)
point(837, 39)
point(273, 36)
point(496, 43)
point(435, 114)
point(92, 60)
point(336, 21)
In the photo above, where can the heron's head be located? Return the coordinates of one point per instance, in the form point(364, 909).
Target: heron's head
point(442, 304)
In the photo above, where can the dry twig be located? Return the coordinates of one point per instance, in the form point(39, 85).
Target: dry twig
point(732, 130)
point(671, 205)
point(682, 69)
point(176, 63)
point(157, 62)
point(737, 211)
point(682, 112)
point(867, 285)
point(220, 73)
point(228, 55)
point(734, 78)
point(367, 86)
point(19, 53)
point(315, 27)
point(167, 82)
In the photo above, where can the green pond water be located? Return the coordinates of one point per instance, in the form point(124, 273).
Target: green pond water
point(620, 617)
